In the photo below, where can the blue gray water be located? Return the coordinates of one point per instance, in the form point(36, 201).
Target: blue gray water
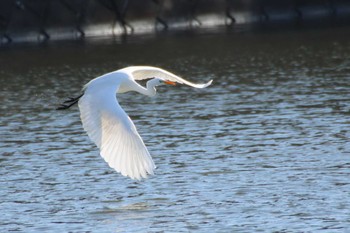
point(266, 148)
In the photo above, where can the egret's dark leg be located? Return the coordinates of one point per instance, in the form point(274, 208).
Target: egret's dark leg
point(69, 103)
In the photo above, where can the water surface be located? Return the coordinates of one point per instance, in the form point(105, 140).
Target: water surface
point(266, 148)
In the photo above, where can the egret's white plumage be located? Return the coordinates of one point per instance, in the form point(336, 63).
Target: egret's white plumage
point(110, 128)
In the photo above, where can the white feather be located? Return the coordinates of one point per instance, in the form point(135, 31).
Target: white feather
point(114, 133)
point(145, 72)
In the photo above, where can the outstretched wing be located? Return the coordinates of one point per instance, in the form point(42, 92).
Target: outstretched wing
point(114, 133)
point(145, 72)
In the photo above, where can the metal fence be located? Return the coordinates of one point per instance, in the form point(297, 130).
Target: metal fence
point(49, 19)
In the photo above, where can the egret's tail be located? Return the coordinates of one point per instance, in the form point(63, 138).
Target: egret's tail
point(69, 103)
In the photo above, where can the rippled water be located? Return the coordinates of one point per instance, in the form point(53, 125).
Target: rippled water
point(266, 148)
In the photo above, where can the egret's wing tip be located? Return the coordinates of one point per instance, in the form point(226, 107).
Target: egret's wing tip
point(206, 84)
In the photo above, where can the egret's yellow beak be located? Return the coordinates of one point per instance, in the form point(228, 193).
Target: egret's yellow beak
point(170, 82)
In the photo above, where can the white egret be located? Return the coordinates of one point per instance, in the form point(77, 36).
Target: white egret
point(109, 127)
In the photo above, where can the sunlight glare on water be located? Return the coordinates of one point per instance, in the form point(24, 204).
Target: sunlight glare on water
point(265, 148)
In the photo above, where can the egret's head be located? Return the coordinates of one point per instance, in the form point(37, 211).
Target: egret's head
point(157, 82)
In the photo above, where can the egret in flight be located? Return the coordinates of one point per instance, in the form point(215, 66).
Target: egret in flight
point(107, 124)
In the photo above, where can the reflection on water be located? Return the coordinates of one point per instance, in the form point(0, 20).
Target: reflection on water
point(265, 148)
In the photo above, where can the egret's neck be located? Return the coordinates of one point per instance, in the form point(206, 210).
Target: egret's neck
point(150, 89)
